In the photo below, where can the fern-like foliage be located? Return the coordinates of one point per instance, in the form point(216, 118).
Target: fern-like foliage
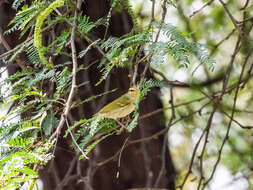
point(15, 167)
point(178, 47)
point(26, 17)
point(113, 5)
point(83, 52)
point(57, 46)
point(87, 131)
point(120, 51)
point(63, 82)
point(84, 25)
point(130, 11)
point(146, 85)
point(19, 145)
point(17, 3)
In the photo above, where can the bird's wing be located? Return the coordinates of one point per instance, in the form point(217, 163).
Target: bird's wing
point(117, 104)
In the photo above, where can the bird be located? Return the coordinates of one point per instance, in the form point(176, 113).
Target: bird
point(120, 107)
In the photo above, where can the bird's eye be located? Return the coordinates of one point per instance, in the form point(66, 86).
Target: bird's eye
point(131, 89)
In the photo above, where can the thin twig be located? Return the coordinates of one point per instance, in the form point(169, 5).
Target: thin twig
point(8, 48)
point(223, 40)
point(68, 173)
point(76, 144)
point(231, 119)
point(154, 136)
point(165, 140)
point(3, 41)
point(135, 74)
point(169, 107)
point(186, 20)
point(28, 39)
point(163, 160)
point(234, 21)
point(209, 122)
point(199, 10)
point(157, 35)
point(245, 5)
point(122, 148)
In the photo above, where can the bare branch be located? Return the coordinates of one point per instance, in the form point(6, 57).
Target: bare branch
point(73, 86)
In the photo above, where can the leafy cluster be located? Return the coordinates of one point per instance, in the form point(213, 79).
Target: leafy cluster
point(178, 48)
point(17, 157)
point(26, 17)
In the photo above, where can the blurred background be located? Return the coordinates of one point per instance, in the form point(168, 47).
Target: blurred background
point(207, 22)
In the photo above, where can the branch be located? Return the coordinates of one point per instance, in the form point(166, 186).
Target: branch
point(205, 5)
point(158, 33)
point(87, 39)
point(223, 40)
point(234, 21)
point(73, 86)
point(154, 136)
point(68, 173)
point(209, 122)
point(165, 140)
point(73, 139)
point(8, 48)
point(231, 119)
point(28, 39)
point(3, 41)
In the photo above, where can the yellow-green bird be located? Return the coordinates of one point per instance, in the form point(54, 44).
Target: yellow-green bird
point(122, 106)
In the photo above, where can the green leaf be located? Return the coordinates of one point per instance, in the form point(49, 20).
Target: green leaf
point(28, 171)
point(49, 123)
point(133, 123)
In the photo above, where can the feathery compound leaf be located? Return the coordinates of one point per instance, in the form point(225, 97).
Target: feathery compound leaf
point(109, 43)
point(26, 17)
point(19, 51)
point(48, 123)
point(113, 5)
point(118, 55)
point(83, 52)
point(158, 50)
point(33, 56)
point(17, 3)
point(133, 123)
point(89, 128)
point(84, 26)
point(63, 82)
point(93, 128)
point(203, 55)
point(145, 85)
point(57, 45)
point(130, 11)
point(178, 48)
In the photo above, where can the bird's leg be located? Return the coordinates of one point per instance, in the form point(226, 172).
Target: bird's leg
point(122, 126)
